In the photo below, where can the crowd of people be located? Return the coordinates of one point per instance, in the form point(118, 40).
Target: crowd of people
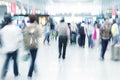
point(12, 37)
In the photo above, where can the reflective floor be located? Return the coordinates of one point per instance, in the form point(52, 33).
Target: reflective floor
point(80, 64)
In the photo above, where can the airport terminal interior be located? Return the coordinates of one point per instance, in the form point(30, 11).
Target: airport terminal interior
point(80, 62)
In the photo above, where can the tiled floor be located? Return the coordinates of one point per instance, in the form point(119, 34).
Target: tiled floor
point(80, 64)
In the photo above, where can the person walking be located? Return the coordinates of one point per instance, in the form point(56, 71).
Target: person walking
point(82, 32)
point(11, 37)
point(105, 35)
point(90, 30)
point(115, 32)
point(63, 33)
point(47, 33)
point(31, 36)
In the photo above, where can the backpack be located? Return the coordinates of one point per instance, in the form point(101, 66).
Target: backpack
point(30, 35)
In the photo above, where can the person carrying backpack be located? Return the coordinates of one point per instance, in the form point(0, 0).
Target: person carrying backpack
point(31, 35)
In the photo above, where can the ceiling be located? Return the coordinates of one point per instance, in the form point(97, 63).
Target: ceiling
point(40, 4)
point(72, 0)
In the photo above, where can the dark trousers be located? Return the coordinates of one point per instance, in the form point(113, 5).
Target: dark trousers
point(82, 40)
point(62, 44)
point(10, 55)
point(33, 53)
point(104, 44)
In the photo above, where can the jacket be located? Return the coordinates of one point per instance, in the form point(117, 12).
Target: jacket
point(31, 35)
point(105, 32)
point(11, 37)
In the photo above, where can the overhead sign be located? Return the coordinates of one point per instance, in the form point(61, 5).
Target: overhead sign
point(33, 11)
point(13, 7)
point(113, 11)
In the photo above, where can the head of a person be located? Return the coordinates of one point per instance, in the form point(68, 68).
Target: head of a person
point(32, 18)
point(107, 21)
point(7, 18)
point(47, 24)
point(62, 20)
point(114, 21)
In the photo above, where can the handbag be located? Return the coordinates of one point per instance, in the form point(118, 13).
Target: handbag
point(26, 57)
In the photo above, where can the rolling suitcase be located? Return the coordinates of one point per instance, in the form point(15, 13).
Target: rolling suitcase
point(115, 52)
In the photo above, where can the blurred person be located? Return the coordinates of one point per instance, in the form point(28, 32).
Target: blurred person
point(11, 37)
point(63, 33)
point(4, 20)
point(73, 34)
point(115, 32)
point(96, 33)
point(31, 36)
point(52, 27)
point(56, 33)
point(47, 33)
point(22, 24)
point(105, 35)
point(82, 32)
point(90, 31)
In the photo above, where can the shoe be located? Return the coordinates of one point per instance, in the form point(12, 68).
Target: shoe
point(17, 77)
point(59, 56)
point(101, 59)
point(29, 78)
point(49, 44)
point(3, 75)
point(63, 58)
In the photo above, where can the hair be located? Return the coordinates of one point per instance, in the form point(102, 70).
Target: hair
point(62, 20)
point(114, 21)
point(32, 18)
point(7, 20)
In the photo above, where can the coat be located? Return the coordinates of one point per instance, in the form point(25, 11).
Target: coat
point(31, 35)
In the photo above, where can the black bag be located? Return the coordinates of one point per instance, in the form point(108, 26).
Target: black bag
point(79, 41)
point(81, 31)
point(26, 57)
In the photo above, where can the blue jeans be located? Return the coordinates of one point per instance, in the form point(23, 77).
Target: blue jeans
point(10, 55)
point(115, 39)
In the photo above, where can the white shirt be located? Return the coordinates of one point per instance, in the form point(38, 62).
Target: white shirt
point(90, 30)
point(63, 29)
point(11, 36)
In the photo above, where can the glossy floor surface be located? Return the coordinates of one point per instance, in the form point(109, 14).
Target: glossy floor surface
point(80, 64)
